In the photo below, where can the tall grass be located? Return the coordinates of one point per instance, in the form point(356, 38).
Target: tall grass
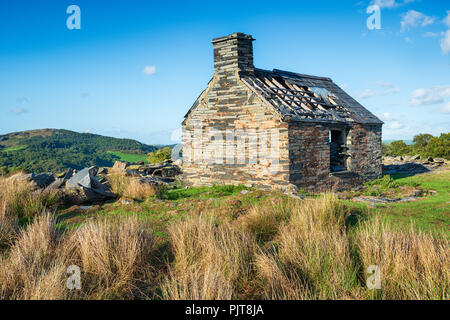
point(211, 262)
point(32, 269)
point(413, 265)
point(313, 257)
point(282, 248)
point(21, 198)
point(131, 187)
point(112, 255)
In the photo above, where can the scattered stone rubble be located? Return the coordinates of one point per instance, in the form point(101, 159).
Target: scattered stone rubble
point(412, 164)
point(90, 185)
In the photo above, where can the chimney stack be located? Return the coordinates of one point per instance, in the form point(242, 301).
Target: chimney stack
point(233, 52)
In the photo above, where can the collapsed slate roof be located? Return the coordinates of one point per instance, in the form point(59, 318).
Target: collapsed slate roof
point(299, 97)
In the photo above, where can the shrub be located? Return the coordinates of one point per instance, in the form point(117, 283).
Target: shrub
point(160, 155)
point(132, 187)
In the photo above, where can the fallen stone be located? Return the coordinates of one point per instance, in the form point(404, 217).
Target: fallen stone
point(120, 166)
point(41, 180)
point(83, 178)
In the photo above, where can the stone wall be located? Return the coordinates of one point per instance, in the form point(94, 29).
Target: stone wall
point(225, 110)
point(309, 154)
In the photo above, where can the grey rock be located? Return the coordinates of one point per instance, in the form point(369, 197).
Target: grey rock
point(83, 178)
point(103, 171)
point(58, 183)
point(41, 180)
point(120, 166)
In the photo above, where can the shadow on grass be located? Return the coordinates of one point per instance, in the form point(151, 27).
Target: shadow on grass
point(398, 171)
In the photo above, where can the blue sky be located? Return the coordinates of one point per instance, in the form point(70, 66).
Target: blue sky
point(135, 67)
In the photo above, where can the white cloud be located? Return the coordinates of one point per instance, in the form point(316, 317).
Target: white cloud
point(447, 19)
point(19, 111)
point(149, 70)
point(446, 108)
point(395, 125)
point(389, 4)
point(366, 94)
point(433, 95)
point(415, 18)
point(386, 116)
point(445, 43)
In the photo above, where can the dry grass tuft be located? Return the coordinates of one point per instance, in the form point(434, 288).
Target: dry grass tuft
point(112, 253)
point(413, 265)
point(211, 262)
point(112, 256)
point(312, 259)
point(20, 198)
point(131, 187)
point(30, 270)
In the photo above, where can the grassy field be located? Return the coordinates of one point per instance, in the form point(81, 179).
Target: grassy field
point(11, 149)
point(431, 213)
point(129, 157)
point(224, 242)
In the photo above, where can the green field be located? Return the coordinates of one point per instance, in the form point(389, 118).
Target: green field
point(14, 148)
point(430, 214)
point(129, 157)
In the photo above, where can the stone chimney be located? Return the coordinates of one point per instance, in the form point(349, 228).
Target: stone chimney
point(233, 52)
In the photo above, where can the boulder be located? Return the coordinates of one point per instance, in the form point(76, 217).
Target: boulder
point(120, 166)
point(83, 178)
point(102, 171)
point(170, 171)
point(84, 187)
point(80, 195)
point(439, 160)
point(41, 180)
point(61, 180)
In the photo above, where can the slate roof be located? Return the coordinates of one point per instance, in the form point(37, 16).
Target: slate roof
point(299, 97)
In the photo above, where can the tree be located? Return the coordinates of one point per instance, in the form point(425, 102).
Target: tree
point(160, 155)
point(398, 148)
point(422, 140)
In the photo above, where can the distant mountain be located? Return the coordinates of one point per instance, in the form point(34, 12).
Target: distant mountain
point(56, 150)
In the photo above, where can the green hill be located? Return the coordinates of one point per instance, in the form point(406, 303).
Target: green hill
point(55, 150)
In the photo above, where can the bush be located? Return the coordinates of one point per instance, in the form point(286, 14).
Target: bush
point(131, 187)
point(160, 155)
point(424, 144)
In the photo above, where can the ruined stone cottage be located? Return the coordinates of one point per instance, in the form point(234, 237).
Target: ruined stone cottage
point(276, 128)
